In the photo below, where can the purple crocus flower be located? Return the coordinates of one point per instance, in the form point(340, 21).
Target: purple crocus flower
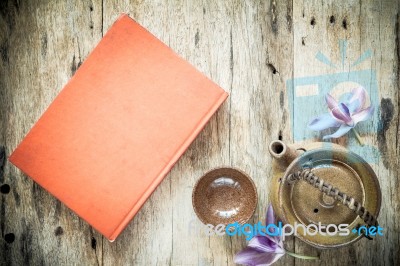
point(262, 250)
point(343, 115)
point(265, 249)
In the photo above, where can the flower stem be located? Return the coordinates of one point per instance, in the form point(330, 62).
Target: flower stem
point(301, 256)
point(358, 137)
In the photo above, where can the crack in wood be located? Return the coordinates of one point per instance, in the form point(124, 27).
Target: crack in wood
point(397, 48)
point(2, 162)
point(274, 23)
point(387, 109)
point(196, 38)
point(272, 68)
point(289, 14)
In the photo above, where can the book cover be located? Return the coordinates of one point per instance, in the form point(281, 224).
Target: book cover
point(118, 126)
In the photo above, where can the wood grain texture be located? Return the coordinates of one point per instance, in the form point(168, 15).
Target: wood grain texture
point(249, 48)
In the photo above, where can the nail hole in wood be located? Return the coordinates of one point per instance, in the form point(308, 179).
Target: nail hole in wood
point(94, 243)
point(316, 210)
point(344, 24)
point(332, 19)
point(5, 189)
point(272, 68)
point(59, 231)
point(9, 238)
point(313, 22)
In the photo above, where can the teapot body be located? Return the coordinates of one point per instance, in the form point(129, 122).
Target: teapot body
point(301, 204)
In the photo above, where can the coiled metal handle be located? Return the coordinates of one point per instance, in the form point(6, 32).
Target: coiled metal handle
point(334, 192)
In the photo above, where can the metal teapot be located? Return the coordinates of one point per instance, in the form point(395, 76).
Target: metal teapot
point(324, 184)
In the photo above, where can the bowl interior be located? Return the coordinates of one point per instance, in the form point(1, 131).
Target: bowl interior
point(224, 196)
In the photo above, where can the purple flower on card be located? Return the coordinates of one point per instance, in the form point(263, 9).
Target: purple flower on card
point(343, 115)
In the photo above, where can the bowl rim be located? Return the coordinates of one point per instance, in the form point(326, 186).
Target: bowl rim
point(247, 177)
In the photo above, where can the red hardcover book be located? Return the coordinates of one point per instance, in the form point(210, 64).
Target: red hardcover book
point(119, 125)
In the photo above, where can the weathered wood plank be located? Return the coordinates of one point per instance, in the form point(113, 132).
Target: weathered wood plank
point(42, 44)
point(262, 60)
point(364, 25)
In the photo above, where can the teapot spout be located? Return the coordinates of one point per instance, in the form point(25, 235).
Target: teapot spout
point(283, 153)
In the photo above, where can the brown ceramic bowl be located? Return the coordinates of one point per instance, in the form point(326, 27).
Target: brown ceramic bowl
point(224, 196)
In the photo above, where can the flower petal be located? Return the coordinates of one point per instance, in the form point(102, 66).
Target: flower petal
point(354, 106)
point(270, 217)
point(360, 95)
point(341, 115)
point(343, 129)
point(252, 257)
point(331, 102)
point(323, 122)
point(265, 244)
point(363, 115)
point(344, 109)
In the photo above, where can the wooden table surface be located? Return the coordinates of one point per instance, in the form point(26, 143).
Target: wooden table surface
point(249, 48)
